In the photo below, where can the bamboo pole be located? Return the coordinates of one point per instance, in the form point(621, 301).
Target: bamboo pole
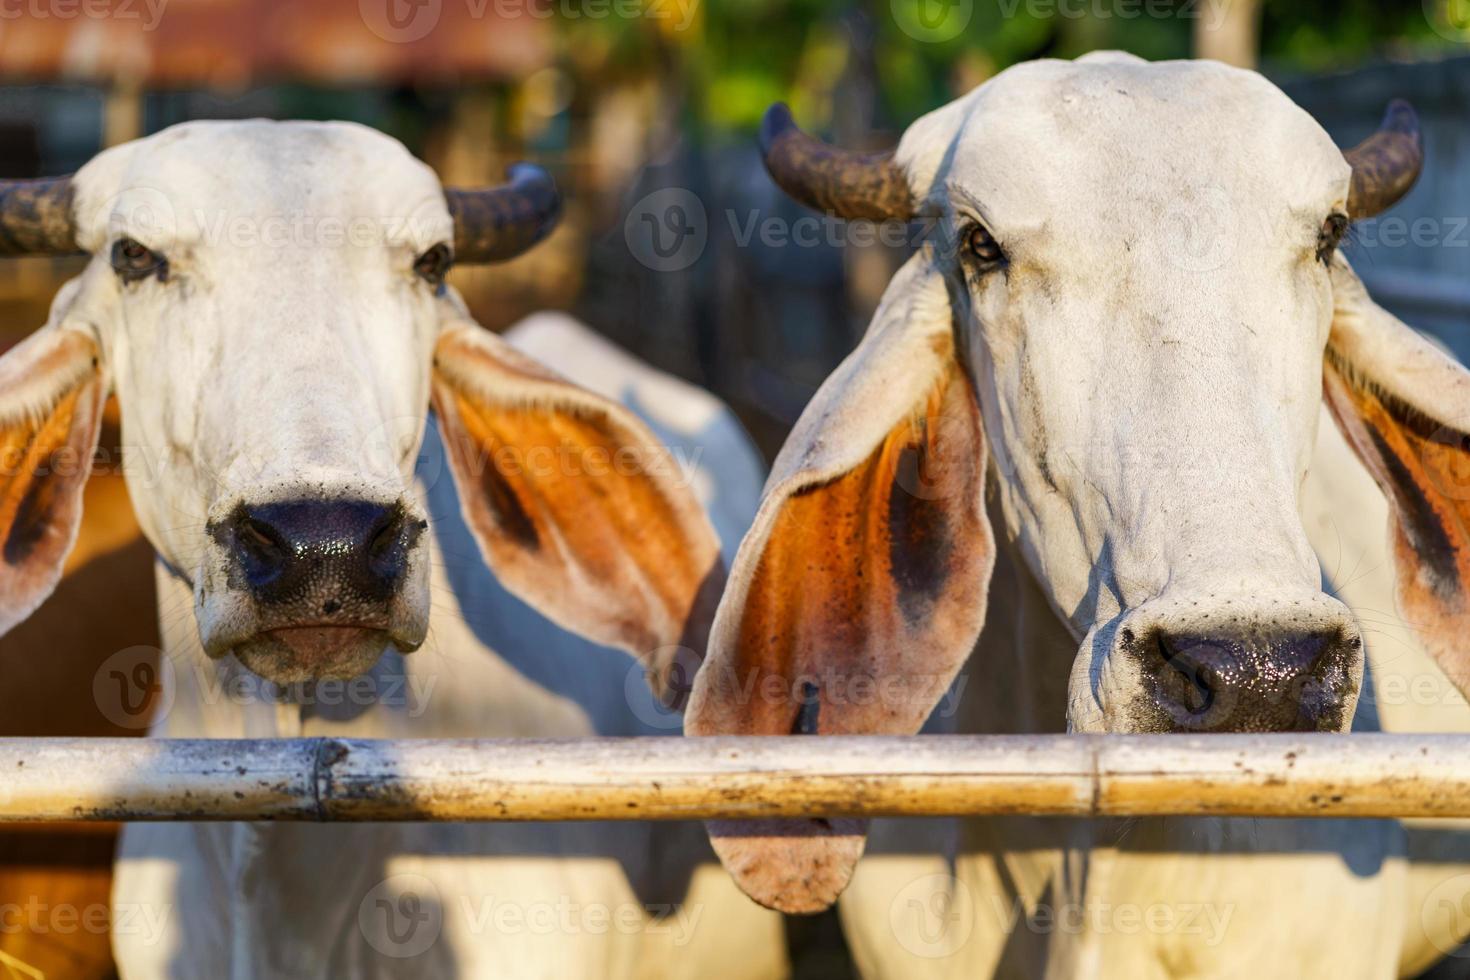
point(674, 778)
point(1228, 31)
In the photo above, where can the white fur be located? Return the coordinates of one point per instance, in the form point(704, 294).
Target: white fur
point(273, 900)
point(1231, 898)
point(1149, 368)
point(291, 346)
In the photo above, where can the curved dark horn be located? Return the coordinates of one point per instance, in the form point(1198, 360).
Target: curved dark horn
point(36, 218)
point(492, 224)
point(848, 184)
point(1386, 164)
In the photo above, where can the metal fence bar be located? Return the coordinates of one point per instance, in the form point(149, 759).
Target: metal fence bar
point(676, 778)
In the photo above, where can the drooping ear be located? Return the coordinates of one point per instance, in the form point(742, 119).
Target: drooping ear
point(860, 589)
point(576, 507)
point(51, 398)
point(1404, 407)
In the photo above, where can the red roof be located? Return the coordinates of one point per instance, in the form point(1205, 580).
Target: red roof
point(229, 43)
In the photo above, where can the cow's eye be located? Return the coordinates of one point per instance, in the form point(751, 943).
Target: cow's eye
point(984, 249)
point(133, 261)
point(1330, 236)
point(434, 265)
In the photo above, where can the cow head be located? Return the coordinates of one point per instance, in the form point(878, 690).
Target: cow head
point(268, 302)
point(1121, 320)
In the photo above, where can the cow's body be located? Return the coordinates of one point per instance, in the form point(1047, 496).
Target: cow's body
point(548, 900)
point(1096, 391)
point(1159, 898)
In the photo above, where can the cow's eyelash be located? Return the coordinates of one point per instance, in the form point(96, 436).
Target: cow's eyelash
point(977, 245)
point(134, 261)
point(1332, 233)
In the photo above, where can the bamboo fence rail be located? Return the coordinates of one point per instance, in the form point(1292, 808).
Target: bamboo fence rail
point(331, 779)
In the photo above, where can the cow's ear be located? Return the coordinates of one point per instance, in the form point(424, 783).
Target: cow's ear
point(860, 589)
point(51, 398)
point(1404, 407)
point(576, 507)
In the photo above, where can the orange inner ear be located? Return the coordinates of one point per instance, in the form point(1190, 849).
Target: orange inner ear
point(562, 484)
point(39, 465)
point(1424, 470)
point(859, 575)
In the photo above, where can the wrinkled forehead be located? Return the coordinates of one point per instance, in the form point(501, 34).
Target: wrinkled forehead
point(1093, 138)
point(214, 182)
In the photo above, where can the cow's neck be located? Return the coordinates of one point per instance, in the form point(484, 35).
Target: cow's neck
point(1016, 680)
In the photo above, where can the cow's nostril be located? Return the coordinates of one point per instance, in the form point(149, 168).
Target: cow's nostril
point(261, 538)
point(326, 554)
point(262, 552)
point(387, 552)
point(1185, 677)
point(1253, 680)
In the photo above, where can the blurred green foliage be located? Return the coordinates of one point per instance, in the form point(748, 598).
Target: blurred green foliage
point(740, 55)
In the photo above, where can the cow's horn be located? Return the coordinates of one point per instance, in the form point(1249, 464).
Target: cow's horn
point(1386, 164)
point(492, 224)
point(845, 183)
point(36, 218)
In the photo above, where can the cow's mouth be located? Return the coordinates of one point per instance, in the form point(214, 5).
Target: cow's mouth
point(299, 654)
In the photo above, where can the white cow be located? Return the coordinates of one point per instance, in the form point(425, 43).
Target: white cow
point(1123, 323)
point(267, 301)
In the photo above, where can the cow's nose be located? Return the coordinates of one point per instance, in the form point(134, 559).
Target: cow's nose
point(1289, 682)
point(334, 552)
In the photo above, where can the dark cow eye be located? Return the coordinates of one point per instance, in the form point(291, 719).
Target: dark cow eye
point(1330, 236)
point(133, 261)
point(986, 251)
point(434, 265)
